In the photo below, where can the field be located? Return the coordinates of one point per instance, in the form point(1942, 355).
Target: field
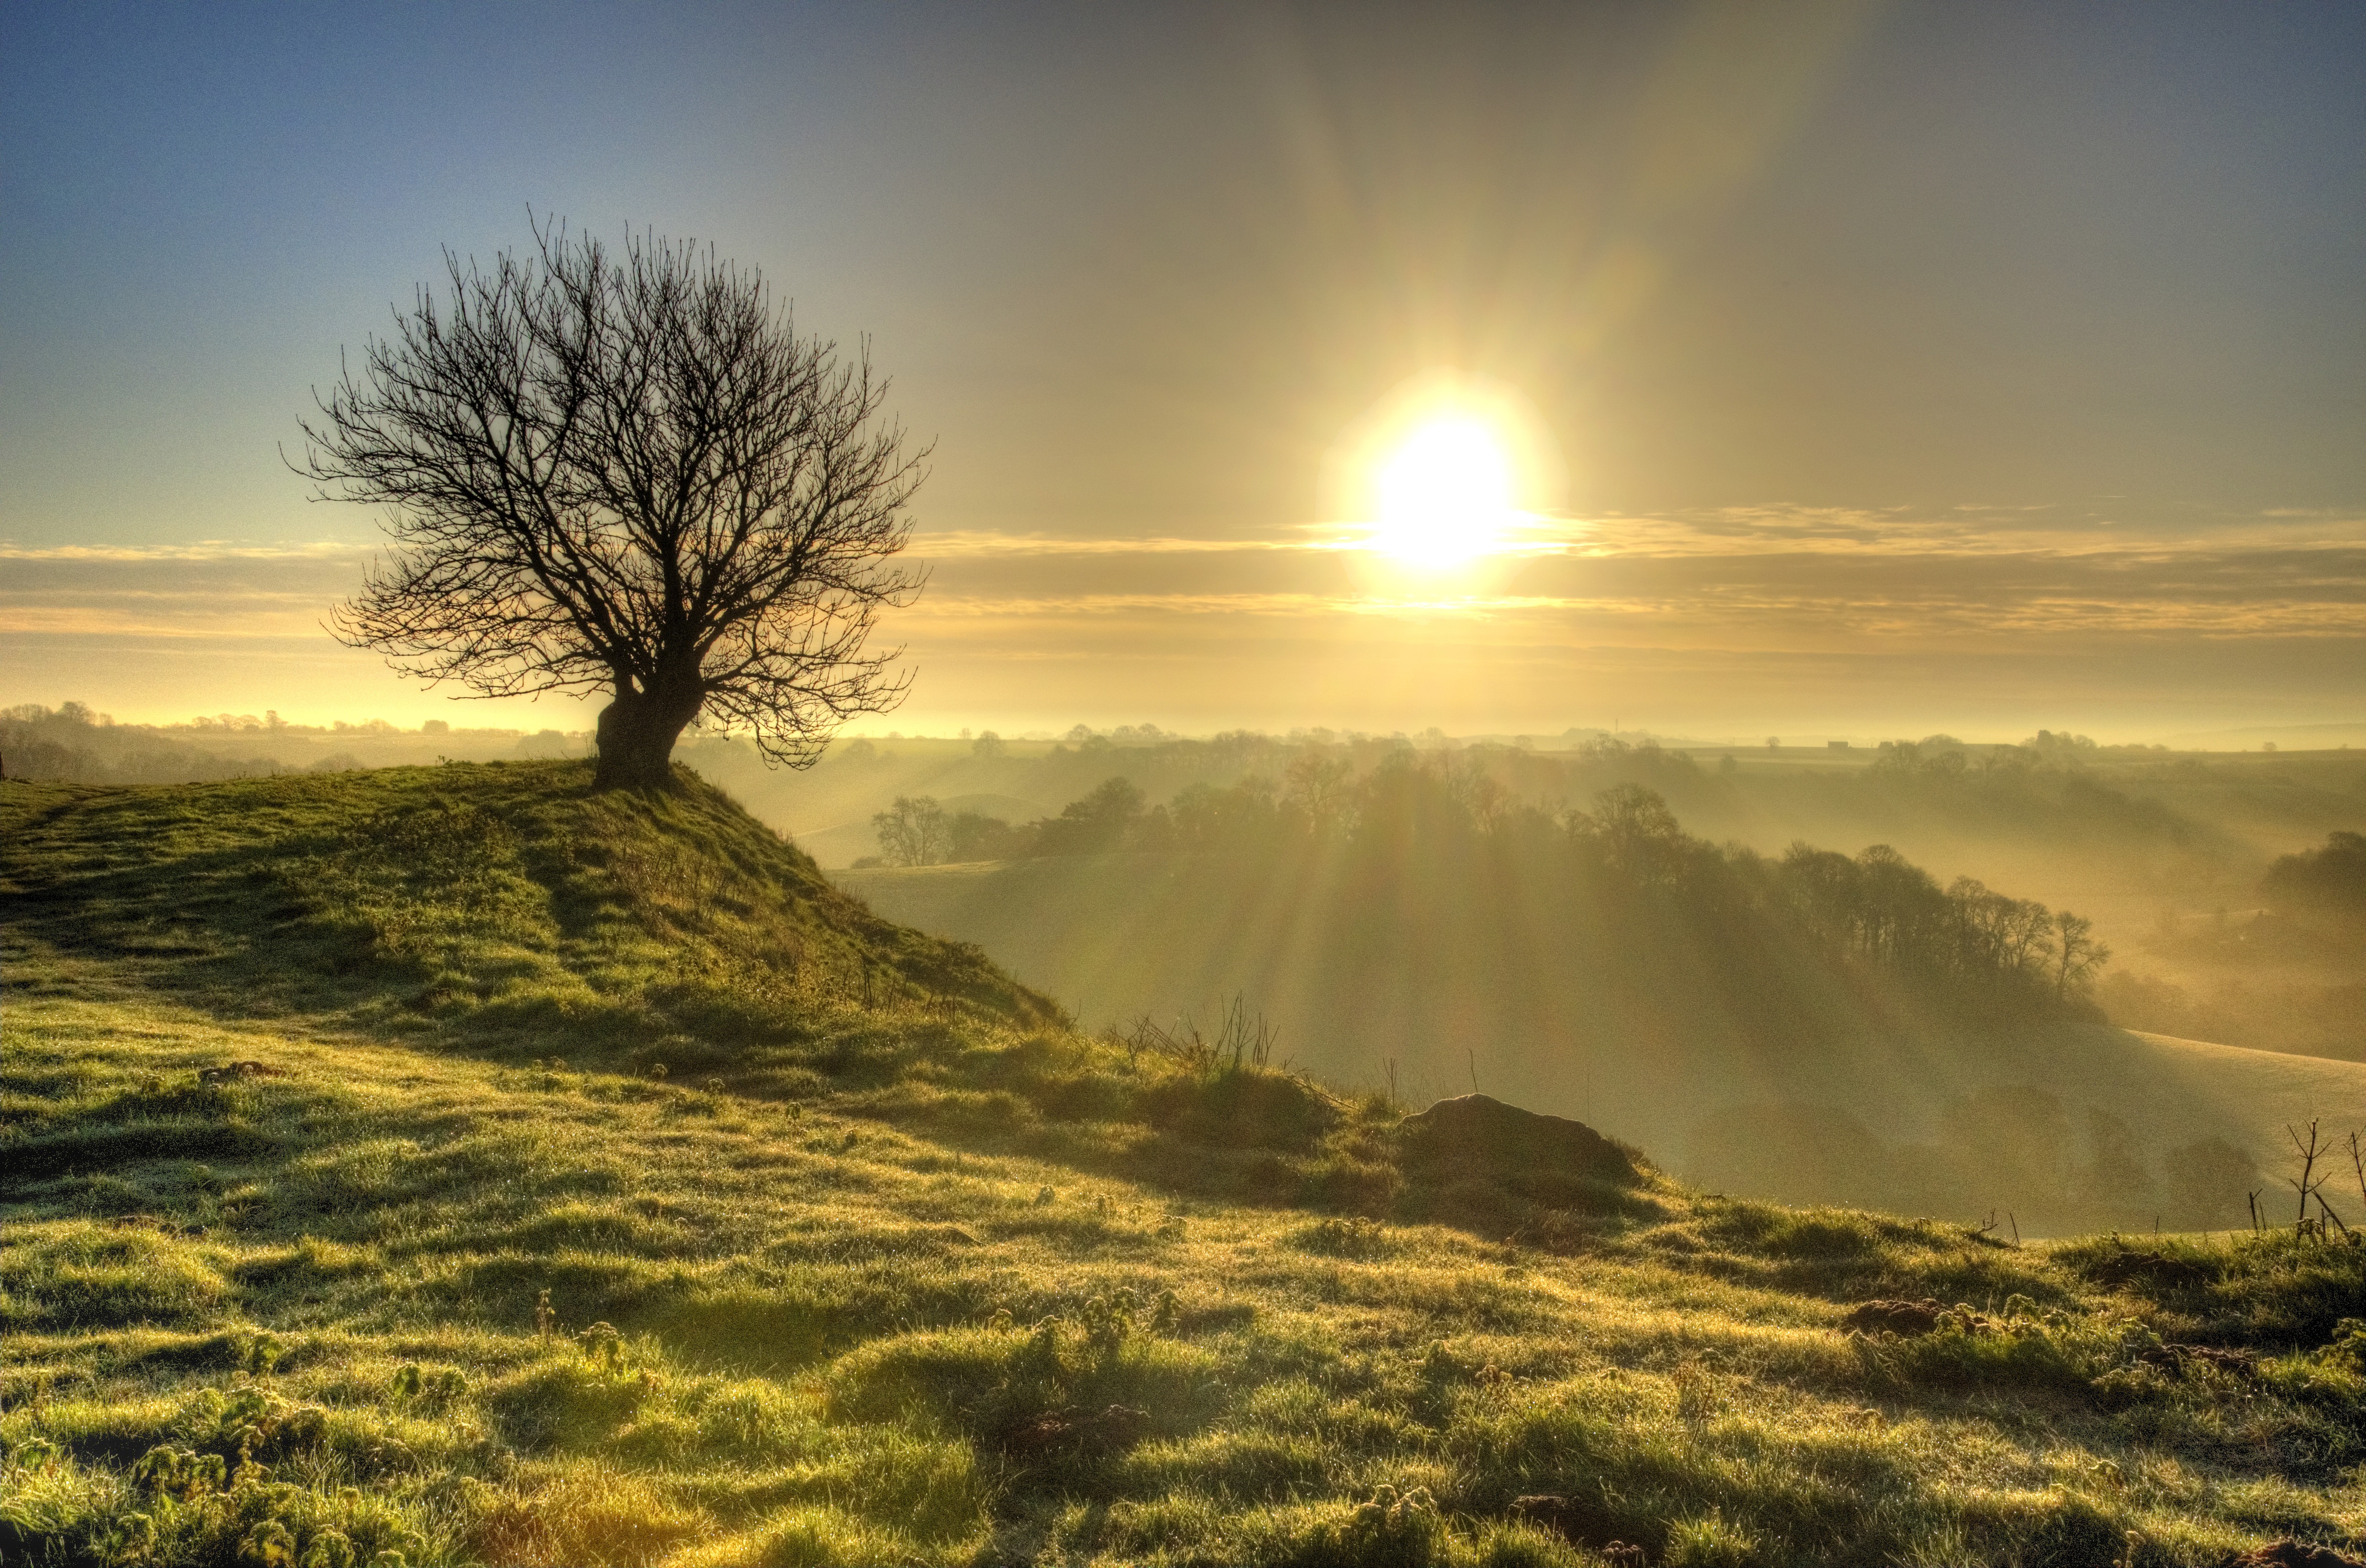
point(445, 1165)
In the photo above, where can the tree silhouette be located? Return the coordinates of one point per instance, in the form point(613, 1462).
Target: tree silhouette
point(913, 832)
point(625, 472)
point(2077, 953)
point(1319, 787)
point(1639, 835)
point(1098, 822)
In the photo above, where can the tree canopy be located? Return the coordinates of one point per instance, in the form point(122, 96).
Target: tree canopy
point(626, 472)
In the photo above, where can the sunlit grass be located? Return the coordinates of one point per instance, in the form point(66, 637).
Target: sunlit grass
point(910, 1284)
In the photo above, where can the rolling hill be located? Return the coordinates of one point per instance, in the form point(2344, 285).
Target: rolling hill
point(450, 1165)
point(1713, 1035)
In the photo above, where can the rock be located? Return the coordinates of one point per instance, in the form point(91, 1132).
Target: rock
point(1904, 1318)
point(2295, 1554)
point(1483, 1136)
point(2289, 1554)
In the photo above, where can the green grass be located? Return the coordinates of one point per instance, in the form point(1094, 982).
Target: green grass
point(459, 1277)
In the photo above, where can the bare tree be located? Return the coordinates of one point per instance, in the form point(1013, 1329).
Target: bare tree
point(1318, 786)
point(1639, 835)
point(2077, 954)
point(625, 472)
point(913, 832)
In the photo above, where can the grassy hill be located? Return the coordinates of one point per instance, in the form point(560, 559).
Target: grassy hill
point(349, 1220)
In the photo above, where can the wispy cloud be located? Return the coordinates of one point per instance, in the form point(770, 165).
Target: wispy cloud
point(1766, 578)
point(958, 543)
point(191, 550)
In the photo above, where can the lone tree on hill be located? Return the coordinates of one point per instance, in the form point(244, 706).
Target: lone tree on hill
point(626, 472)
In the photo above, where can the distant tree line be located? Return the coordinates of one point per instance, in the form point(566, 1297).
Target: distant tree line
point(2053, 787)
point(1875, 909)
point(1882, 907)
point(73, 744)
point(2326, 882)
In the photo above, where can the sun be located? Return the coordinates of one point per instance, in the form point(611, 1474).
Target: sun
point(1445, 493)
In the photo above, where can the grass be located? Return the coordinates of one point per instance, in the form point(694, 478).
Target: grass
point(452, 1274)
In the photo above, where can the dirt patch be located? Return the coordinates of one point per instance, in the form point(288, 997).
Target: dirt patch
point(2133, 1266)
point(1581, 1522)
point(1904, 1318)
point(2295, 1554)
point(1118, 1426)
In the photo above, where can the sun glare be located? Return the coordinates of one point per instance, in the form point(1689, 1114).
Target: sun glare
point(1445, 493)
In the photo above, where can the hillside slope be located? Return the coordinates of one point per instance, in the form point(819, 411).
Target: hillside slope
point(1715, 1036)
point(484, 903)
point(316, 1255)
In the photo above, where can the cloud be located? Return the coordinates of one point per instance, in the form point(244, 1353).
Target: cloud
point(190, 550)
point(1761, 578)
point(1765, 578)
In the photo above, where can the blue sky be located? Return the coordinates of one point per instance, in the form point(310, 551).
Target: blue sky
point(1871, 341)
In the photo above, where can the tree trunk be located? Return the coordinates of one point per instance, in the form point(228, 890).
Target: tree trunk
point(637, 732)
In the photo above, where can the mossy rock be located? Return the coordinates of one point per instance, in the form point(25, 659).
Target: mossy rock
point(1479, 1135)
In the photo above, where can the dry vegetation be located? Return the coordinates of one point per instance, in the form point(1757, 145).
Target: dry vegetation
point(888, 1263)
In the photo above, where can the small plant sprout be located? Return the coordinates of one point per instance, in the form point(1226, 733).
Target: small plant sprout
point(327, 1549)
point(546, 1320)
point(604, 1345)
point(34, 1455)
point(1394, 1525)
point(249, 1471)
point(270, 1544)
point(2307, 1183)
point(1108, 1320)
point(1697, 1399)
point(264, 1351)
point(133, 1539)
point(174, 1471)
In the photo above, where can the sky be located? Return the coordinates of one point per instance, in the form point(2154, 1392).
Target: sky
point(1863, 369)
